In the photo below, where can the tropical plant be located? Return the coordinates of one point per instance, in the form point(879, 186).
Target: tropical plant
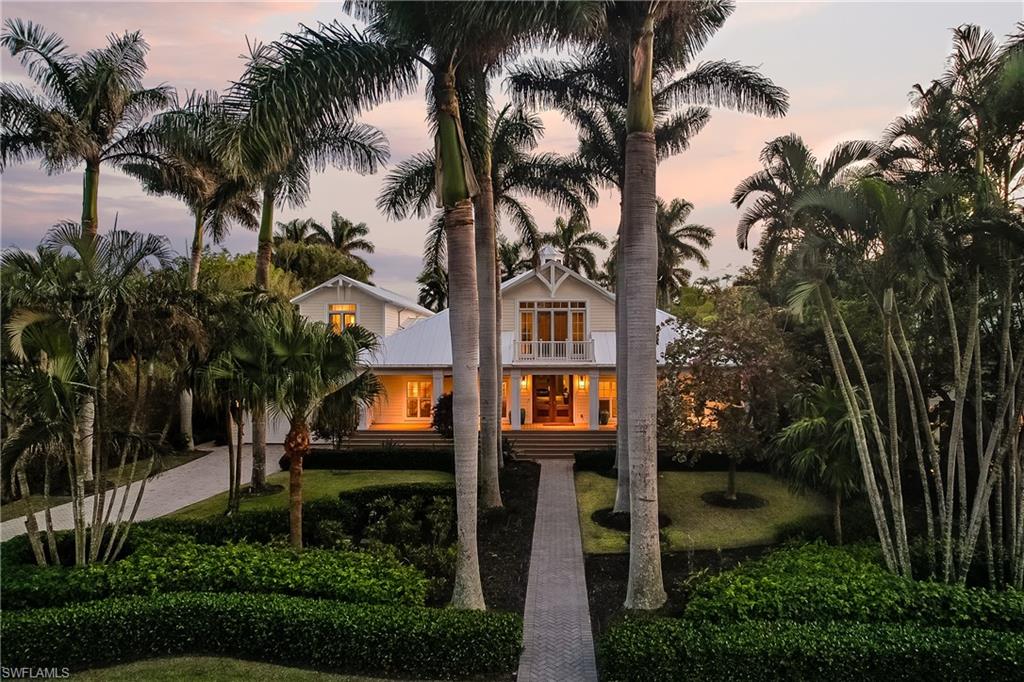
point(433, 283)
point(313, 263)
point(89, 109)
point(817, 449)
point(510, 258)
point(190, 167)
point(297, 231)
point(345, 237)
point(574, 239)
point(66, 299)
point(678, 242)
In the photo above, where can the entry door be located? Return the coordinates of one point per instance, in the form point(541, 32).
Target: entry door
point(552, 398)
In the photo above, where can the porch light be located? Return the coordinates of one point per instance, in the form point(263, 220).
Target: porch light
point(524, 383)
point(582, 382)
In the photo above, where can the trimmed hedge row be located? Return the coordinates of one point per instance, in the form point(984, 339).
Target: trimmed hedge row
point(818, 582)
point(180, 565)
point(670, 650)
point(438, 459)
point(603, 460)
point(436, 643)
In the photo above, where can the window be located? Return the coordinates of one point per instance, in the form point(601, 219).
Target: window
point(552, 321)
point(419, 396)
point(606, 394)
point(341, 316)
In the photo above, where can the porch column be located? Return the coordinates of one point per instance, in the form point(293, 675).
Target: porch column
point(437, 385)
point(595, 418)
point(364, 417)
point(515, 388)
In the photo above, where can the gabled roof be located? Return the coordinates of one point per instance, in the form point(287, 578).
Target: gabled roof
point(564, 273)
point(377, 292)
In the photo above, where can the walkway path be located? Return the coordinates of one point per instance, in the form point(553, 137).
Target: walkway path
point(557, 638)
point(166, 492)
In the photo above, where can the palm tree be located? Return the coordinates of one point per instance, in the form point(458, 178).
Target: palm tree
point(433, 294)
point(345, 236)
point(678, 242)
point(82, 285)
point(307, 364)
point(510, 258)
point(191, 168)
point(609, 95)
point(298, 231)
point(575, 240)
point(90, 108)
point(817, 450)
point(791, 171)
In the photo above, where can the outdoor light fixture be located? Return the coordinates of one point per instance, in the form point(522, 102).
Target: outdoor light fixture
point(524, 383)
point(582, 382)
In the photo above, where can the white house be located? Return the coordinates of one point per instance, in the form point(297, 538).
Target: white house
point(557, 348)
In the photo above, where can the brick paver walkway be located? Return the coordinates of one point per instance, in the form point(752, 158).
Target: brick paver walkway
point(165, 493)
point(558, 645)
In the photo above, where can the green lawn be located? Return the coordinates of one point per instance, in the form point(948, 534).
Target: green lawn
point(317, 484)
point(208, 669)
point(696, 525)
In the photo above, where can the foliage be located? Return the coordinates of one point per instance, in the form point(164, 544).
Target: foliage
point(817, 582)
point(575, 240)
point(178, 564)
point(325, 634)
point(313, 263)
point(667, 649)
point(384, 458)
point(442, 416)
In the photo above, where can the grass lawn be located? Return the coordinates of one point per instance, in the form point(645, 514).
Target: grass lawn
point(317, 484)
point(115, 477)
point(695, 524)
point(209, 669)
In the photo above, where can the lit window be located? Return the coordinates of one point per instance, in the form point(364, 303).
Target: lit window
point(606, 394)
point(341, 316)
point(418, 399)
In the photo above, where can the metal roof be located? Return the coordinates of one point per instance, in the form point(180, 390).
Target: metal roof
point(381, 293)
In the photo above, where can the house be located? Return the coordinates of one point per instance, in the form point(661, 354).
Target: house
point(557, 348)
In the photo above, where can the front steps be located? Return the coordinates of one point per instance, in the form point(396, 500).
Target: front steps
point(537, 443)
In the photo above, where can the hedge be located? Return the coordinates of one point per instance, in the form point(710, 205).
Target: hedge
point(670, 650)
point(817, 582)
point(438, 459)
point(603, 460)
point(415, 641)
point(185, 566)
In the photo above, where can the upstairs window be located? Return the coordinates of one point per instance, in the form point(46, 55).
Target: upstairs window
point(552, 321)
point(341, 316)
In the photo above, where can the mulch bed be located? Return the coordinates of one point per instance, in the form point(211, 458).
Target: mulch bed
point(620, 521)
point(506, 536)
point(607, 574)
point(717, 498)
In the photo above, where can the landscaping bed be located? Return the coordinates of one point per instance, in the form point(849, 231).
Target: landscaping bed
point(506, 537)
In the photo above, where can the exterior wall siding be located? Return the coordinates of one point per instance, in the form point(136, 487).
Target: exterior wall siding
point(600, 310)
point(369, 310)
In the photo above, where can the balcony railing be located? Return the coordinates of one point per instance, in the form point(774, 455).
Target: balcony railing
point(567, 351)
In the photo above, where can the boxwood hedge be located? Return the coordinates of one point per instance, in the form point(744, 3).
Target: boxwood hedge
point(672, 650)
point(437, 643)
point(818, 582)
point(181, 565)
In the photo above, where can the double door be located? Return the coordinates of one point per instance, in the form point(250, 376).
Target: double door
point(552, 398)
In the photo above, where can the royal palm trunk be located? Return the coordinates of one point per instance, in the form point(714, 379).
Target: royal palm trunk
point(490, 405)
point(621, 359)
point(197, 252)
point(90, 199)
point(454, 191)
point(645, 587)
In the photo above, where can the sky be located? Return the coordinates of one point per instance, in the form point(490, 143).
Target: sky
point(848, 67)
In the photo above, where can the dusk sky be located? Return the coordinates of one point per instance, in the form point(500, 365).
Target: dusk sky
point(848, 68)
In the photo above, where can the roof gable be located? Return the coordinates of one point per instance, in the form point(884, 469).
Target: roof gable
point(380, 293)
point(552, 275)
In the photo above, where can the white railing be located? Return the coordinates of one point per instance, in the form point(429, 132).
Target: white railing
point(569, 351)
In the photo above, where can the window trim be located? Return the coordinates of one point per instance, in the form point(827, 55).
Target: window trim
point(343, 313)
point(429, 394)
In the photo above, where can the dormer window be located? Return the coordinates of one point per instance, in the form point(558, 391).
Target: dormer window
point(341, 316)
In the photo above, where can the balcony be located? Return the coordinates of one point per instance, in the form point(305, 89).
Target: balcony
point(555, 351)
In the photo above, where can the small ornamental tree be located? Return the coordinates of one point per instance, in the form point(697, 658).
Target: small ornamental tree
point(442, 420)
point(723, 382)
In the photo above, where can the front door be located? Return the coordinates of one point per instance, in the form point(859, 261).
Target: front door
point(552, 399)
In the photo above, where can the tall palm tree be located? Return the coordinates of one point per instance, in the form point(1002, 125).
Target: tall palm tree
point(678, 242)
point(596, 92)
point(576, 240)
point(192, 168)
point(791, 171)
point(433, 293)
point(345, 236)
point(90, 108)
point(510, 258)
point(297, 230)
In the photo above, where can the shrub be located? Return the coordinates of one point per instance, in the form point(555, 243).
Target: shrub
point(655, 649)
point(818, 582)
point(440, 459)
point(290, 630)
point(185, 566)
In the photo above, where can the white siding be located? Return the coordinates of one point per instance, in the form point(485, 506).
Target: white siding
point(600, 310)
point(369, 310)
